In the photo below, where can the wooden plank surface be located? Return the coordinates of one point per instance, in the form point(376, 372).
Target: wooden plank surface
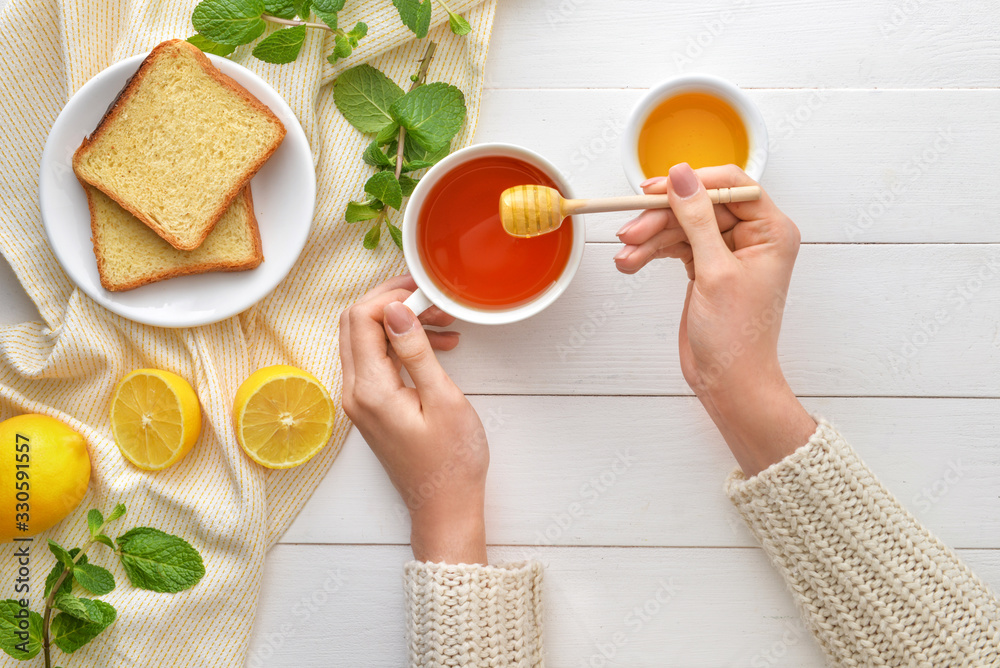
point(849, 166)
point(861, 320)
point(325, 605)
point(649, 471)
point(775, 44)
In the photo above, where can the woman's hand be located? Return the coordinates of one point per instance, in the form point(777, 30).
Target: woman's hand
point(429, 439)
point(739, 258)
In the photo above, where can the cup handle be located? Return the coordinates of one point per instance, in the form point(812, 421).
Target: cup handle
point(418, 302)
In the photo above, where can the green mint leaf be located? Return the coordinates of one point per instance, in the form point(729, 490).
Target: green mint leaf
point(387, 134)
point(302, 8)
point(458, 24)
point(81, 608)
point(416, 157)
point(333, 6)
point(208, 46)
point(70, 634)
point(407, 183)
point(12, 642)
point(159, 561)
point(341, 48)
point(358, 212)
point(61, 553)
point(432, 114)
point(376, 157)
point(282, 46)
point(385, 187)
point(104, 540)
point(326, 11)
point(50, 579)
point(231, 22)
point(396, 234)
point(117, 512)
point(98, 581)
point(356, 33)
point(283, 9)
point(415, 15)
point(371, 239)
point(57, 570)
point(363, 95)
point(95, 521)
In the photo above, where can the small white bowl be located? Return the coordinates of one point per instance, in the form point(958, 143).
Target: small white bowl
point(695, 83)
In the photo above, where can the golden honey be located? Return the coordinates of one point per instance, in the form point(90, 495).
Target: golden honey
point(697, 128)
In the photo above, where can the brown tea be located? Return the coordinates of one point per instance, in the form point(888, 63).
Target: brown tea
point(464, 246)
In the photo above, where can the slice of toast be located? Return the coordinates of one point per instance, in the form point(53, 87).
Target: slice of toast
point(178, 144)
point(130, 255)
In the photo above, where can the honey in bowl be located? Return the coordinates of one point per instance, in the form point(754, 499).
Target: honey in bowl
point(697, 128)
point(466, 250)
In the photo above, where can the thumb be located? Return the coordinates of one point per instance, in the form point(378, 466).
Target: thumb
point(409, 340)
point(693, 208)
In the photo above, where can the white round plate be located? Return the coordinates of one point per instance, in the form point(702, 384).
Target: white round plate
point(284, 197)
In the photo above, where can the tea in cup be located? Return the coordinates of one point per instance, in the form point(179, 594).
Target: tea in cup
point(459, 254)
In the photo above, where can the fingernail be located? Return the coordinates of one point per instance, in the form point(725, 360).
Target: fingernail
point(626, 227)
point(624, 253)
point(653, 181)
point(683, 179)
point(399, 319)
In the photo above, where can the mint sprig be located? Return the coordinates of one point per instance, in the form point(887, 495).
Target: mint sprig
point(152, 559)
point(223, 25)
point(413, 131)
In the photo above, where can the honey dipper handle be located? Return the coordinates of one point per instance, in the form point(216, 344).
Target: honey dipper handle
point(634, 202)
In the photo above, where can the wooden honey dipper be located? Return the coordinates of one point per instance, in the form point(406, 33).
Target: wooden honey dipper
point(528, 211)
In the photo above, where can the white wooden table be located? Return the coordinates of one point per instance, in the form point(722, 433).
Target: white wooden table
point(885, 152)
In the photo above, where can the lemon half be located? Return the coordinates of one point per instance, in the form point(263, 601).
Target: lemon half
point(283, 415)
point(155, 418)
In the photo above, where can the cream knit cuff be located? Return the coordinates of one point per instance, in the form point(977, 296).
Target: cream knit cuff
point(875, 587)
point(471, 615)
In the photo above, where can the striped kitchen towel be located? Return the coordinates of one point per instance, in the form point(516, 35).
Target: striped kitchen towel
point(66, 366)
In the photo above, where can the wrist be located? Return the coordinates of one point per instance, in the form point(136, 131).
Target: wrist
point(449, 537)
point(762, 424)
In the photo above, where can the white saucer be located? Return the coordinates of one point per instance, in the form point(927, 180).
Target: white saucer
point(284, 197)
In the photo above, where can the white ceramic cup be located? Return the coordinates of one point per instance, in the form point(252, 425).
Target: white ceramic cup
point(429, 294)
point(695, 83)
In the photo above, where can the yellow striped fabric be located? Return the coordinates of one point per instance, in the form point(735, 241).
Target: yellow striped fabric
point(66, 366)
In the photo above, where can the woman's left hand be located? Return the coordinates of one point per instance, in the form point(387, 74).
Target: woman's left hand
point(429, 438)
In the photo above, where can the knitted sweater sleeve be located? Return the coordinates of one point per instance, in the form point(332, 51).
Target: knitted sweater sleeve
point(875, 587)
point(462, 615)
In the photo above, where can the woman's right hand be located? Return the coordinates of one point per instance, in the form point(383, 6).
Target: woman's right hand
point(428, 438)
point(739, 258)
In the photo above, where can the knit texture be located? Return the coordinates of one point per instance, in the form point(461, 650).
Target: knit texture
point(474, 615)
point(875, 587)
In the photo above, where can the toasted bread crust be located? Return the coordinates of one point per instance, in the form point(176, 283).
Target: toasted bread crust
point(126, 93)
point(155, 277)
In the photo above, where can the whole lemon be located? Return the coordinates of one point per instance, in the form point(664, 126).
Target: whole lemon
point(44, 473)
